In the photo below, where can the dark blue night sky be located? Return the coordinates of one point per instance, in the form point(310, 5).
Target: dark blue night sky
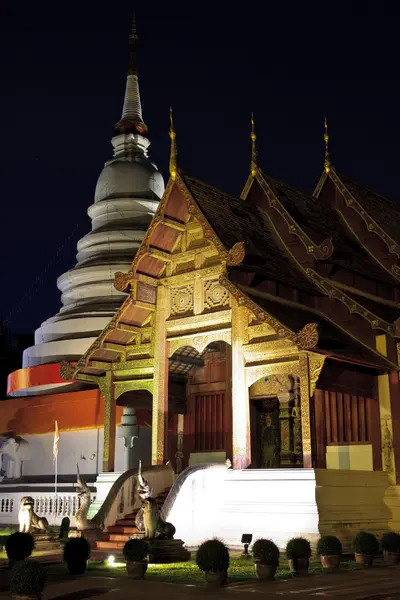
point(63, 69)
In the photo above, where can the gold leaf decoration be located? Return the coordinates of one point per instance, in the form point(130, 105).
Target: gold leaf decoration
point(122, 281)
point(308, 336)
point(66, 370)
point(236, 254)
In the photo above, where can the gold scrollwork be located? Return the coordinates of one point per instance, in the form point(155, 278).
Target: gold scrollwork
point(67, 371)
point(308, 337)
point(236, 255)
point(316, 363)
point(122, 281)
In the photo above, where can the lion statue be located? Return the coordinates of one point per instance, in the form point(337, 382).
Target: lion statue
point(152, 523)
point(28, 519)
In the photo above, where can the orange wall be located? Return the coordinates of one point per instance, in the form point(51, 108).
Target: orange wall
point(35, 415)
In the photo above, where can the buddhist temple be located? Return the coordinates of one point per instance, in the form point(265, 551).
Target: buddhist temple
point(250, 343)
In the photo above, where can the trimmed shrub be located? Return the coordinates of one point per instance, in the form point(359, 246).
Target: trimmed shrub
point(391, 542)
point(19, 546)
point(266, 552)
point(329, 545)
point(135, 550)
point(28, 578)
point(76, 550)
point(365, 543)
point(213, 556)
point(298, 548)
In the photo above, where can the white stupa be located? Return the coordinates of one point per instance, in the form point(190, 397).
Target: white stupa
point(126, 197)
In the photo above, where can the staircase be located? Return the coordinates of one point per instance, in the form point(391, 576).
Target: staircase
point(115, 538)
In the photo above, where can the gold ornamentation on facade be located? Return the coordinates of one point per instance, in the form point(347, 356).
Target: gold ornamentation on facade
point(134, 385)
point(322, 251)
point(122, 281)
point(236, 255)
point(172, 159)
point(316, 363)
point(253, 165)
point(308, 337)
point(199, 341)
point(182, 300)
point(215, 295)
point(67, 370)
point(387, 450)
point(289, 367)
point(327, 162)
point(371, 224)
point(331, 291)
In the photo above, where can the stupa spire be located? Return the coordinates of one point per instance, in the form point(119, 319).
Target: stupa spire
point(254, 162)
point(132, 119)
point(327, 161)
point(172, 158)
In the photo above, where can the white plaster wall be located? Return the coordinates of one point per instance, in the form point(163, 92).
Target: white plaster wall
point(73, 444)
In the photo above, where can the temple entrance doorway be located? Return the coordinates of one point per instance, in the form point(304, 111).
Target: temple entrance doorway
point(265, 429)
point(207, 429)
point(275, 422)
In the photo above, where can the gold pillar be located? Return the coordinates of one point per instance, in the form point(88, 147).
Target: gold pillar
point(160, 387)
point(305, 409)
point(385, 413)
point(107, 389)
point(240, 393)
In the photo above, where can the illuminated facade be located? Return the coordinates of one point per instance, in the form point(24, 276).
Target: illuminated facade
point(261, 329)
point(292, 302)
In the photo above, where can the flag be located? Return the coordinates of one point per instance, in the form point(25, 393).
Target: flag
point(56, 438)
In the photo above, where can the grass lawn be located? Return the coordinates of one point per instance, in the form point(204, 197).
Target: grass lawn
point(240, 570)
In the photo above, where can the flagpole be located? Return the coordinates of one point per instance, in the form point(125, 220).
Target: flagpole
point(55, 484)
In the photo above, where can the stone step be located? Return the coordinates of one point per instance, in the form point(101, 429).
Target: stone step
point(122, 529)
point(116, 537)
point(106, 545)
point(118, 534)
point(125, 523)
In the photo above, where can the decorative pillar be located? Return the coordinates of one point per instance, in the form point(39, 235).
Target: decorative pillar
point(179, 445)
point(107, 389)
point(129, 432)
point(240, 393)
point(296, 414)
point(160, 380)
point(305, 410)
point(385, 414)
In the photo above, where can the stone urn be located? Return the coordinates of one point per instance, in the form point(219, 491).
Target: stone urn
point(136, 570)
point(393, 558)
point(364, 559)
point(216, 578)
point(265, 572)
point(299, 566)
point(331, 562)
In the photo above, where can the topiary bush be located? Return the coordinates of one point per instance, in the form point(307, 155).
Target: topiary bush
point(391, 542)
point(135, 550)
point(28, 579)
point(76, 555)
point(19, 546)
point(365, 543)
point(329, 545)
point(212, 556)
point(298, 548)
point(266, 552)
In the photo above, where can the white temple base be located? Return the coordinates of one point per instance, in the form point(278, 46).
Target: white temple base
point(104, 483)
point(278, 504)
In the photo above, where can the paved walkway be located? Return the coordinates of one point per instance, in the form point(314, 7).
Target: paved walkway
point(368, 584)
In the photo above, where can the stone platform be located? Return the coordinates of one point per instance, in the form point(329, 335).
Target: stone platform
point(46, 543)
point(167, 551)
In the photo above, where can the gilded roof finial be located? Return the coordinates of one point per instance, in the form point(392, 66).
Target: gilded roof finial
point(253, 165)
point(172, 157)
point(133, 34)
point(327, 162)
